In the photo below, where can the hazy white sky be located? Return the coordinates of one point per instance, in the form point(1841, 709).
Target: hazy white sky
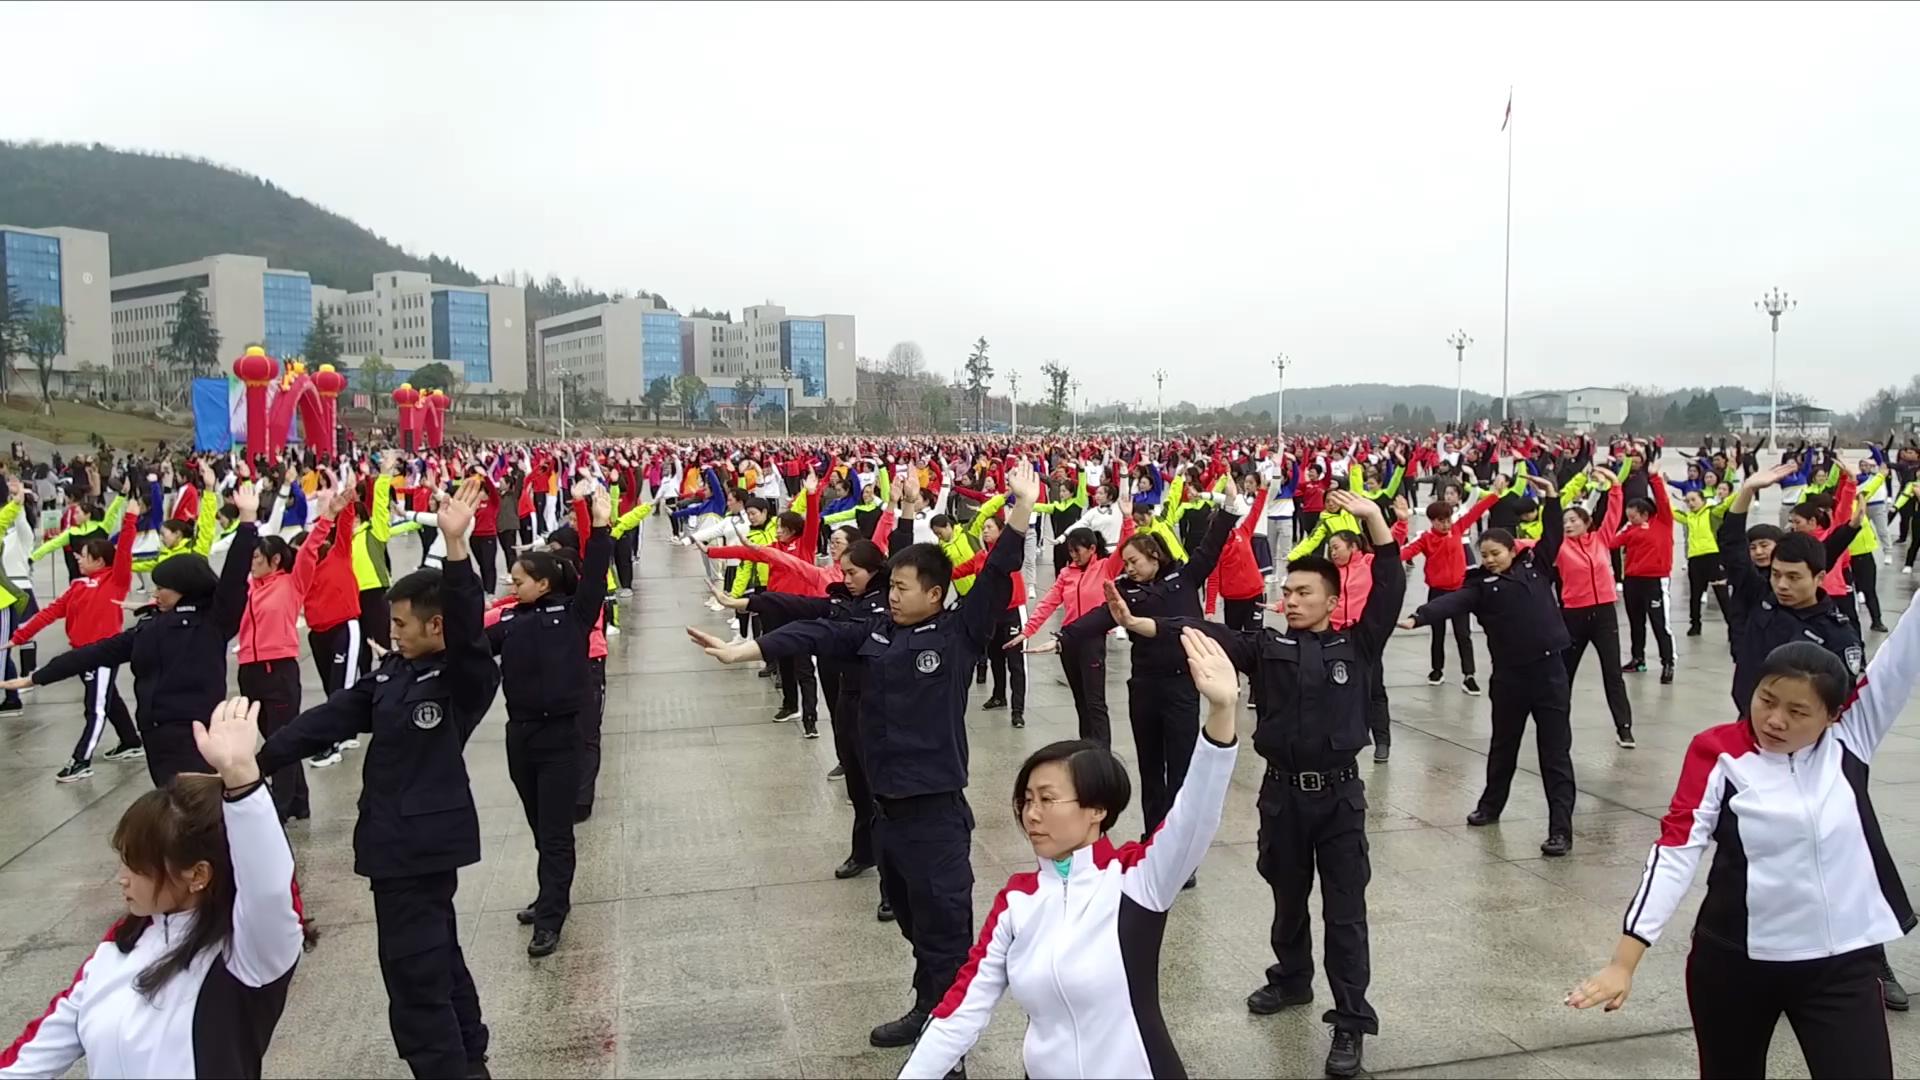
point(1118, 187)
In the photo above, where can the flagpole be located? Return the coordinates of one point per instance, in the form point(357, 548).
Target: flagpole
point(1506, 282)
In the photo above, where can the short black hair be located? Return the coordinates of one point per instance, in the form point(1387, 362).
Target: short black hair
point(421, 590)
point(1796, 547)
point(941, 521)
point(1099, 779)
point(98, 548)
point(1086, 538)
point(866, 555)
point(1816, 508)
point(1499, 536)
point(1317, 564)
point(181, 529)
point(1348, 537)
point(1812, 663)
point(1765, 532)
point(276, 551)
point(757, 503)
point(794, 524)
point(927, 561)
point(1644, 505)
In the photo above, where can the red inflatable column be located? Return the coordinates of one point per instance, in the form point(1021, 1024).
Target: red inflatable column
point(256, 369)
point(330, 383)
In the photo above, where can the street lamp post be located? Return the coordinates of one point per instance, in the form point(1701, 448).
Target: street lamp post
point(1160, 405)
point(1775, 304)
point(1076, 408)
point(1013, 404)
point(1280, 404)
point(786, 404)
point(1459, 341)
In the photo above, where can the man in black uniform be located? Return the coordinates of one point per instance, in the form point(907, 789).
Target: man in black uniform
point(417, 824)
point(1314, 688)
point(916, 667)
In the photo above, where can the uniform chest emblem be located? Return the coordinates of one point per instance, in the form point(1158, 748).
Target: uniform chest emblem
point(1856, 659)
point(1340, 674)
point(927, 662)
point(427, 715)
point(506, 616)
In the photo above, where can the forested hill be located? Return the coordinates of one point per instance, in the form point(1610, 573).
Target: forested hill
point(164, 210)
point(1352, 401)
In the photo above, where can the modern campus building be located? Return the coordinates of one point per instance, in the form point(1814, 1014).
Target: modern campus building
point(619, 348)
point(409, 320)
point(68, 269)
point(248, 303)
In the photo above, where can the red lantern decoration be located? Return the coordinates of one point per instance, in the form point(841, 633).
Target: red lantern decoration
point(257, 370)
point(408, 399)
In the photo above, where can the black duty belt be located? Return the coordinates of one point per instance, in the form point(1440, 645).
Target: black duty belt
point(1312, 781)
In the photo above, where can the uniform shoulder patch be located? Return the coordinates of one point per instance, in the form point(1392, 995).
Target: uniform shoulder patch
point(1856, 659)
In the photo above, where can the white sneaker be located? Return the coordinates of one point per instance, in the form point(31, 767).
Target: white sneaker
point(1030, 593)
point(624, 591)
point(325, 759)
point(613, 631)
point(1906, 569)
point(350, 744)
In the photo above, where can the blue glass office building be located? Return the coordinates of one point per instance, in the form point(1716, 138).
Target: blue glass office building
point(659, 347)
point(462, 334)
point(803, 351)
point(30, 266)
point(288, 303)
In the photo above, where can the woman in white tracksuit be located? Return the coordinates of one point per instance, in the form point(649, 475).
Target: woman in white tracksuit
point(1077, 938)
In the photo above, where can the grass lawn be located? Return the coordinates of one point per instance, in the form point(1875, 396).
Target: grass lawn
point(73, 422)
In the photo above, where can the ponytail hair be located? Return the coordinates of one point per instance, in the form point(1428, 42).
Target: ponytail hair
point(1087, 538)
point(556, 568)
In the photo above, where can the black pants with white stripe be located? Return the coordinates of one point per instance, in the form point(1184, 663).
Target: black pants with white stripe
point(1646, 599)
point(101, 705)
point(1834, 1005)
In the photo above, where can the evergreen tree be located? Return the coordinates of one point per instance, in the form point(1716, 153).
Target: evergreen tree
point(46, 338)
point(323, 344)
point(659, 392)
point(192, 342)
point(979, 377)
point(1058, 381)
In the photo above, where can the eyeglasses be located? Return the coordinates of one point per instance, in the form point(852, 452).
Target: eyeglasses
point(1047, 802)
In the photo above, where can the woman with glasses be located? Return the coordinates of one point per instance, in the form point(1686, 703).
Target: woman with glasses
point(1077, 938)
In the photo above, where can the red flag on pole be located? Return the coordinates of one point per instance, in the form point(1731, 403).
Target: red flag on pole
point(1509, 115)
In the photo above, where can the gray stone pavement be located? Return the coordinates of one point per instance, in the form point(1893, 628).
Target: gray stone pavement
point(709, 937)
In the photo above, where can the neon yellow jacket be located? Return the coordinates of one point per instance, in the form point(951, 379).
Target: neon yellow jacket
point(8, 595)
point(754, 573)
point(81, 531)
point(959, 550)
point(1868, 541)
point(370, 538)
point(1702, 525)
point(204, 526)
point(1357, 481)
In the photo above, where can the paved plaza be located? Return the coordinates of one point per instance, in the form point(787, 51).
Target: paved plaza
point(709, 938)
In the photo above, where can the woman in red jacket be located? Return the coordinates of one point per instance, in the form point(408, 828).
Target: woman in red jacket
point(1080, 588)
point(333, 622)
point(270, 641)
point(1587, 593)
point(485, 541)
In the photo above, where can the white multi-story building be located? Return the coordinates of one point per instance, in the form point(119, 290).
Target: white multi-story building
point(68, 269)
point(409, 320)
point(811, 356)
point(618, 348)
point(248, 302)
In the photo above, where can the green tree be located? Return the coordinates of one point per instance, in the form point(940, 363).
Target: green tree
point(692, 392)
point(745, 390)
point(979, 377)
point(939, 408)
point(1058, 382)
point(14, 318)
point(877, 422)
point(46, 339)
point(770, 414)
point(1703, 413)
point(659, 392)
point(374, 378)
point(1424, 420)
point(1673, 420)
point(323, 344)
point(434, 376)
point(192, 342)
point(1401, 416)
point(888, 384)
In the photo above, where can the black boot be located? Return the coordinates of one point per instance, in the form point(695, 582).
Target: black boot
point(901, 1032)
point(1344, 1058)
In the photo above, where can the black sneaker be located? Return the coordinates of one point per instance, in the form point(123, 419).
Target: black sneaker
point(1470, 687)
point(1019, 720)
point(852, 868)
point(524, 916)
point(785, 714)
point(980, 675)
point(1193, 881)
point(810, 732)
point(124, 752)
point(1891, 992)
point(582, 812)
point(838, 772)
point(1666, 675)
point(1623, 738)
point(766, 673)
point(543, 943)
point(1381, 752)
point(1344, 1058)
point(12, 704)
point(1694, 630)
point(325, 758)
point(883, 913)
point(1480, 818)
point(1436, 678)
point(994, 702)
point(1270, 999)
point(1878, 628)
point(477, 1070)
point(1556, 845)
point(74, 770)
point(901, 1032)
point(1633, 667)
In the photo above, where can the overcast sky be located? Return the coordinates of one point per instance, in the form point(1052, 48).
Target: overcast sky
point(1120, 188)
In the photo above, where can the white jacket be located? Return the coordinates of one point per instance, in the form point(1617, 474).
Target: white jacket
point(207, 1019)
point(1801, 871)
point(1082, 953)
point(1104, 520)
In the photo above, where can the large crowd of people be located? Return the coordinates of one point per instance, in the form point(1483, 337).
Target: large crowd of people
point(885, 581)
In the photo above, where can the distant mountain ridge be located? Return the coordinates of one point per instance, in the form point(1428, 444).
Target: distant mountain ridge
point(1358, 401)
point(163, 210)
